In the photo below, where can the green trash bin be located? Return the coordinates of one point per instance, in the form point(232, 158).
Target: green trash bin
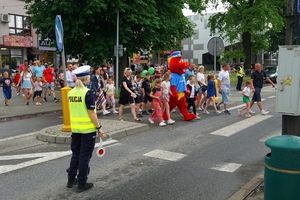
point(282, 168)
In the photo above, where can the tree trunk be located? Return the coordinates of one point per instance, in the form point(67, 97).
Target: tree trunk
point(246, 37)
point(290, 22)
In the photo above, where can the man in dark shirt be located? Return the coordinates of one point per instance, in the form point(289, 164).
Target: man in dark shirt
point(257, 81)
point(146, 89)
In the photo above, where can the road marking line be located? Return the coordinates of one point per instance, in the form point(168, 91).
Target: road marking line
point(17, 137)
point(241, 125)
point(165, 155)
point(271, 97)
point(227, 167)
point(239, 106)
point(271, 134)
point(42, 157)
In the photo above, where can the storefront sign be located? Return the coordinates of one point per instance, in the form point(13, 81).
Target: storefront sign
point(46, 44)
point(17, 41)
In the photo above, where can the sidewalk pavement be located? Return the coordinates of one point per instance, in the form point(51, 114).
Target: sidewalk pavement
point(253, 190)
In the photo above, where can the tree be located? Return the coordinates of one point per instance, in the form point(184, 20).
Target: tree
point(247, 21)
point(90, 26)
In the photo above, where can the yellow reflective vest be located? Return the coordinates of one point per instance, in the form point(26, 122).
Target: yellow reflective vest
point(80, 120)
point(240, 72)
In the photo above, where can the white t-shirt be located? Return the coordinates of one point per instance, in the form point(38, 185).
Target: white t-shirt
point(26, 77)
point(247, 91)
point(192, 95)
point(166, 86)
point(225, 79)
point(200, 77)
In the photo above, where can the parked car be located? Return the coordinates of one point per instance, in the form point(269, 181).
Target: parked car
point(272, 72)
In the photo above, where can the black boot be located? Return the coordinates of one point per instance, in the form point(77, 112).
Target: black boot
point(84, 186)
point(71, 182)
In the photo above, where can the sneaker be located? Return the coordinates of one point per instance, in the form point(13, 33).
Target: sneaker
point(115, 112)
point(197, 117)
point(27, 104)
point(40, 104)
point(140, 110)
point(151, 121)
point(37, 103)
point(105, 112)
point(251, 112)
point(218, 112)
point(18, 93)
point(145, 113)
point(72, 182)
point(84, 187)
point(197, 113)
point(139, 115)
point(170, 121)
point(199, 108)
point(205, 112)
point(162, 124)
point(45, 99)
point(174, 110)
point(227, 112)
point(264, 112)
point(56, 100)
point(202, 107)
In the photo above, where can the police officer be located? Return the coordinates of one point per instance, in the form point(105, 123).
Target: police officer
point(240, 75)
point(85, 126)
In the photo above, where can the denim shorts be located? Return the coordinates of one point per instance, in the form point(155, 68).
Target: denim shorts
point(225, 95)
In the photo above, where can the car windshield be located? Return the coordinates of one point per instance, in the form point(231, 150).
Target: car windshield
point(270, 70)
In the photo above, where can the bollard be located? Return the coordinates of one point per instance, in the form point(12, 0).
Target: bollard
point(282, 168)
point(66, 109)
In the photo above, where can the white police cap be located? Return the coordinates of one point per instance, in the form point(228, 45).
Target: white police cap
point(82, 71)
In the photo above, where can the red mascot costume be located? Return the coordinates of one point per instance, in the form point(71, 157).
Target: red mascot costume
point(178, 85)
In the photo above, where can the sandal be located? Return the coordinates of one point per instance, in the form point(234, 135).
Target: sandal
point(137, 120)
point(120, 119)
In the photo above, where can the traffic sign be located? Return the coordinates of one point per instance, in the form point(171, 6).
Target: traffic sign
point(59, 32)
point(215, 45)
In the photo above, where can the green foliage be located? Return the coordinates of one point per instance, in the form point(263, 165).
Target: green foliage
point(90, 26)
point(248, 21)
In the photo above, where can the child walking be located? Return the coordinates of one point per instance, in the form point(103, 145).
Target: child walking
point(110, 94)
point(137, 88)
point(192, 94)
point(38, 85)
point(246, 99)
point(16, 80)
point(156, 95)
point(6, 86)
point(166, 97)
point(211, 93)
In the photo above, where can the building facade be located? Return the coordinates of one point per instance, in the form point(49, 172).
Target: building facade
point(18, 40)
point(194, 49)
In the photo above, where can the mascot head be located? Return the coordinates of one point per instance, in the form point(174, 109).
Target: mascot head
point(176, 64)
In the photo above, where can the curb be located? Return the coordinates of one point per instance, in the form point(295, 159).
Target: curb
point(25, 116)
point(247, 189)
point(54, 134)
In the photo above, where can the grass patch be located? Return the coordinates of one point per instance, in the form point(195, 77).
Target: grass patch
point(234, 79)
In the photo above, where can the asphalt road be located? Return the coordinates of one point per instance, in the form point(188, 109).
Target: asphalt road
point(206, 159)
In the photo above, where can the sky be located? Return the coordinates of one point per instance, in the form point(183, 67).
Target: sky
point(188, 12)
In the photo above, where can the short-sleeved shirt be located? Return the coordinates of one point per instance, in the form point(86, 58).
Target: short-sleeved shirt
point(38, 70)
point(48, 74)
point(6, 83)
point(178, 80)
point(166, 86)
point(200, 77)
point(128, 83)
point(147, 86)
point(90, 100)
point(258, 78)
point(188, 73)
point(225, 79)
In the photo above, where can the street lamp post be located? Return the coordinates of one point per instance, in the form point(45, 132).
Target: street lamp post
point(117, 54)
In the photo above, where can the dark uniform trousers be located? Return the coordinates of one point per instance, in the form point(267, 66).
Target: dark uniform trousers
point(82, 146)
point(239, 83)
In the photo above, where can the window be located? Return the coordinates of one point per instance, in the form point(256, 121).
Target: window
point(19, 25)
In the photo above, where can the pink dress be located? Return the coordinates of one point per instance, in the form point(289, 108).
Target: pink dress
point(157, 113)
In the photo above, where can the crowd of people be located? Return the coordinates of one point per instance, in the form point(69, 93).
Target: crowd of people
point(147, 94)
